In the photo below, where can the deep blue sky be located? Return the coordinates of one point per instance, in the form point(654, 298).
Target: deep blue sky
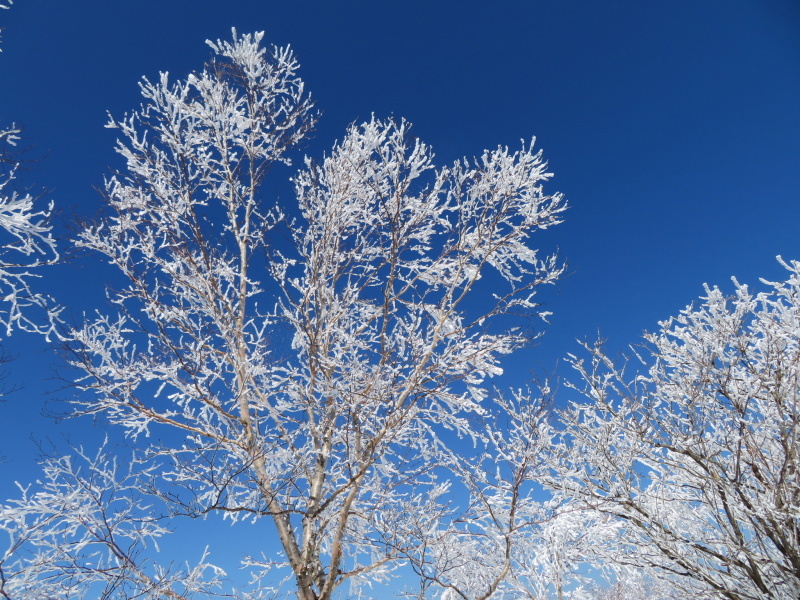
point(673, 127)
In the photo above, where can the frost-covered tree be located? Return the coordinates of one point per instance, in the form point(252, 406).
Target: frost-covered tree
point(26, 243)
point(699, 456)
point(331, 380)
point(633, 585)
point(84, 531)
point(517, 539)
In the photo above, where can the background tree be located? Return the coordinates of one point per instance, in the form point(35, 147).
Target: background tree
point(516, 539)
point(634, 585)
point(88, 529)
point(27, 242)
point(327, 383)
point(699, 457)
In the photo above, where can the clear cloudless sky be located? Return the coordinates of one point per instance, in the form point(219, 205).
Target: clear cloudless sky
point(672, 126)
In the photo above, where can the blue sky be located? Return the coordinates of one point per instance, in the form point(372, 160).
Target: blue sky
point(673, 128)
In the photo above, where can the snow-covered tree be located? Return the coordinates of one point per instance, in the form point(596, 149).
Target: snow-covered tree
point(633, 585)
point(84, 531)
point(517, 540)
point(26, 244)
point(699, 457)
point(333, 379)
